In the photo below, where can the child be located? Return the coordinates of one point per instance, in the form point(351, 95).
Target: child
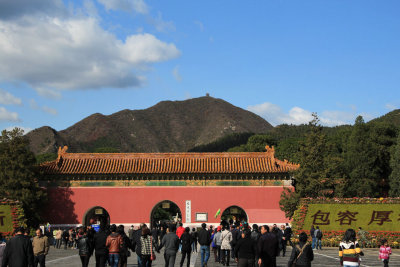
point(384, 252)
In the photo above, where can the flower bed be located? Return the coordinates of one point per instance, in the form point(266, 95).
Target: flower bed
point(373, 238)
point(12, 220)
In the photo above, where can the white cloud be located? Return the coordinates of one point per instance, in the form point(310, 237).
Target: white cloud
point(25, 129)
point(52, 53)
point(176, 74)
point(6, 115)
point(145, 48)
point(138, 6)
point(275, 115)
point(336, 117)
point(8, 99)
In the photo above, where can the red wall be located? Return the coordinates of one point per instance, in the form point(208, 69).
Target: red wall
point(129, 205)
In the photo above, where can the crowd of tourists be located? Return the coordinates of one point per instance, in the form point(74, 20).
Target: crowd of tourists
point(229, 242)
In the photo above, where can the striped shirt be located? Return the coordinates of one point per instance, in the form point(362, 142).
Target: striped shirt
point(349, 253)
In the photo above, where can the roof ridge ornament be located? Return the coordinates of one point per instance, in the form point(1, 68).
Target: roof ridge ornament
point(61, 153)
point(270, 151)
point(271, 154)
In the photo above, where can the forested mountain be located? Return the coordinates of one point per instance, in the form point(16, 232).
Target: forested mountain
point(344, 161)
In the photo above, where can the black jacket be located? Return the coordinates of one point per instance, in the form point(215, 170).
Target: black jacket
point(245, 248)
point(84, 246)
point(255, 235)
point(287, 233)
point(186, 241)
point(267, 246)
point(154, 235)
point(312, 232)
point(235, 236)
point(204, 237)
point(136, 244)
point(305, 258)
point(194, 236)
point(127, 244)
point(100, 239)
point(65, 235)
point(18, 252)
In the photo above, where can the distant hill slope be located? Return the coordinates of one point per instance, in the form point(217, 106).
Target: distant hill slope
point(392, 117)
point(169, 126)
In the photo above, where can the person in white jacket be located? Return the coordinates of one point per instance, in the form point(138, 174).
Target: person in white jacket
point(226, 239)
point(2, 248)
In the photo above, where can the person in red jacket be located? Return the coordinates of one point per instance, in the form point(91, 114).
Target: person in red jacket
point(384, 252)
point(114, 243)
point(180, 230)
point(179, 233)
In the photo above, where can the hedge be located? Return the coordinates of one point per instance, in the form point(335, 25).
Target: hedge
point(380, 217)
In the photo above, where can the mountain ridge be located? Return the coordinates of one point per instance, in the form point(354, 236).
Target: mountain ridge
point(168, 126)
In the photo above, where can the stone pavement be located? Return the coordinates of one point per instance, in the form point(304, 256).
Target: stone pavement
point(322, 258)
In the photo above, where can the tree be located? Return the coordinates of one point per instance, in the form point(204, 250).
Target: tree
point(361, 160)
point(289, 201)
point(288, 149)
point(255, 143)
point(18, 179)
point(383, 135)
point(315, 177)
point(394, 178)
point(41, 158)
point(311, 177)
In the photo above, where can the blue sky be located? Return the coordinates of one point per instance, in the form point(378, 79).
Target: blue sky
point(64, 60)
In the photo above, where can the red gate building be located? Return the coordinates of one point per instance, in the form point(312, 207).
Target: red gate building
point(125, 188)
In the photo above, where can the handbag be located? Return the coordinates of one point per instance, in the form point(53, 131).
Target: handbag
point(298, 256)
point(152, 256)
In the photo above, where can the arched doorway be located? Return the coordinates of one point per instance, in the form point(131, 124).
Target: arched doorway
point(165, 212)
point(234, 213)
point(96, 216)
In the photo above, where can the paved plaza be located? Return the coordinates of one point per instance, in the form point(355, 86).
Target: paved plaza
point(323, 258)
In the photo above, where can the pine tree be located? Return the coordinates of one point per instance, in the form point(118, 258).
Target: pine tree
point(394, 178)
point(311, 178)
point(361, 160)
point(18, 180)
